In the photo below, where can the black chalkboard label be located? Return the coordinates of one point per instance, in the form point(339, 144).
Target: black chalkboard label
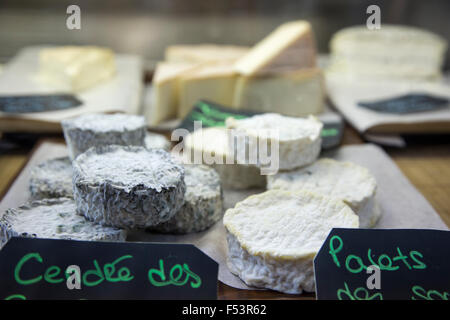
point(214, 115)
point(377, 264)
point(38, 269)
point(38, 103)
point(409, 103)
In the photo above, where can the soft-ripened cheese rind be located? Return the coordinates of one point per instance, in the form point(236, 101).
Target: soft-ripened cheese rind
point(392, 51)
point(299, 139)
point(296, 93)
point(203, 53)
point(215, 141)
point(52, 179)
point(352, 183)
point(273, 237)
point(158, 141)
point(203, 202)
point(127, 186)
point(291, 46)
point(300, 219)
point(93, 130)
point(76, 68)
point(55, 219)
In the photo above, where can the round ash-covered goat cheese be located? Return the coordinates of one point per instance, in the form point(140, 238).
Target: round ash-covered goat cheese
point(299, 139)
point(127, 186)
point(346, 181)
point(52, 179)
point(93, 130)
point(156, 141)
point(203, 204)
point(54, 219)
point(274, 236)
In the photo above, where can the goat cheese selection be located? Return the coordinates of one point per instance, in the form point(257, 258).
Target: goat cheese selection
point(76, 68)
point(203, 204)
point(296, 94)
point(289, 47)
point(52, 179)
point(94, 130)
point(274, 236)
point(156, 141)
point(215, 142)
point(54, 219)
point(203, 53)
point(351, 183)
point(299, 139)
point(165, 92)
point(212, 81)
point(394, 51)
point(127, 186)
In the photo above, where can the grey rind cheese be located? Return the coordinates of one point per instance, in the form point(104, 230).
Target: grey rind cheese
point(95, 130)
point(203, 204)
point(127, 186)
point(52, 179)
point(54, 219)
point(156, 141)
point(351, 183)
point(274, 236)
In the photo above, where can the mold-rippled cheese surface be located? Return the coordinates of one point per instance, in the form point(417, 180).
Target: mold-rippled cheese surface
point(52, 179)
point(353, 184)
point(56, 219)
point(286, 225)
point(158, 141)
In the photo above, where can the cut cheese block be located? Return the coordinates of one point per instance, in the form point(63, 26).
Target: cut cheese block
point(158, 141)
point(94, 130)
point(76, 68)
point(274, 236)
point(52, 179)
point(54, 219)
point(127, 186)
point(214, 143)
point(203, 53)
point(211, 81)
point(164, 94)
point(291, 46)
point(203, 204)
point(295, 94)
point(299, 139)
point(394, 51)
point(351, 183)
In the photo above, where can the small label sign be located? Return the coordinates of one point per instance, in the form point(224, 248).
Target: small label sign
point(68, 269)
point(214, 115)
point(376, 264)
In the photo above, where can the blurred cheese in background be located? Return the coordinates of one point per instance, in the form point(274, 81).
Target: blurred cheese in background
point(392, 51)
point(165, 93)
point(278, 74)
point(290, 46)
point(76, 68)
point(296, 94)
point(211, 81)
point(203, 53)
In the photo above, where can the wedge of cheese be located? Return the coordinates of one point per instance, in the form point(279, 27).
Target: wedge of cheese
point(210, 81)
point(294, 94)
point(164, 95)
point(76, 68)
point(203, 53)
point(291, 46)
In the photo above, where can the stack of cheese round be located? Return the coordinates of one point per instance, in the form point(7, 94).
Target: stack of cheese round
point(210, 146)
point(346, 181)
point(274, 236)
